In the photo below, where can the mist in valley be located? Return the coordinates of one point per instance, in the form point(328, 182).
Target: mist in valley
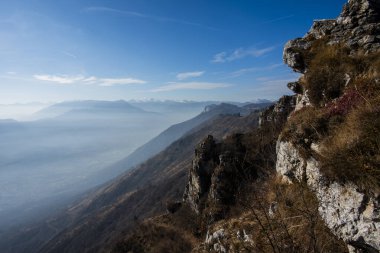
point(68, 148)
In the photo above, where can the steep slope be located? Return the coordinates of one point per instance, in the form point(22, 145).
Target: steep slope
point(174, 132)
point(141, 193)
point(332, 140)
point(176, 107)
point(136, 193)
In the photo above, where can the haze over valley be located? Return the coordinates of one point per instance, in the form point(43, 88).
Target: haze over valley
point(139, 126)
point(69, 146)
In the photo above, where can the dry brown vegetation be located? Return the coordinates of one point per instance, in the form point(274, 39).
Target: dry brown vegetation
point(345, 92)
point(293, 224)
point(352, 152)
point(175, 233)
point(275, 217)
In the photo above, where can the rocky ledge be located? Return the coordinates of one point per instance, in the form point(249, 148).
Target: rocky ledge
point(357, 27)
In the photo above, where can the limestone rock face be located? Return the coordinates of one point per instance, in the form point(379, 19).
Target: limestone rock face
point(349, 213)
point(294, 54)
point(227, 237)
point(290, 165)
point(302, 100)
point(358, 27)
point(278, 112)
point(205, 160)
point(214, 240)
point(223, 181)
point(215, 176)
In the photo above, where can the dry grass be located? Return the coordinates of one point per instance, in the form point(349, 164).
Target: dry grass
point(325, 78)
point(352, 152)
point(295, 225)
point(175, 233)
point(331, 70)
point(345, 92)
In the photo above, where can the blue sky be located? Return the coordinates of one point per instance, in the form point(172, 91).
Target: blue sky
point(141, 49)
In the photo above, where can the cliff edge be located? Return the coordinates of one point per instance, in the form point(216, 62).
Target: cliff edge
point(331, 141)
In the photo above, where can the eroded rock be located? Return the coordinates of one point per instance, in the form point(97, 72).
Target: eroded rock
point(199, 182)
point(358, 27)
point(350, 214)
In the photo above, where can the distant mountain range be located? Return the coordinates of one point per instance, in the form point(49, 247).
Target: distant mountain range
point(176, 131)
point(170, 155)
point(81, 108)
point(137, 193)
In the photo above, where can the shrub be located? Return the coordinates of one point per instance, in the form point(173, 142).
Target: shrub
point(332, 69)
point(343, 105)
point(353, 152)
point(293, 224)
point(326, 76)
point(306, 126)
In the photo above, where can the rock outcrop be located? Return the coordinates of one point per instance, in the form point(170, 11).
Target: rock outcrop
point(204, 163)
point(215, 176)
point(349, 213)
point(352, 214)
point(278, 112)
point(227, 237)
point(357, 27)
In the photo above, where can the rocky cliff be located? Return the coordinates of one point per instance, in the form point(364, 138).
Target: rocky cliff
point(357, 27)
point(215, 176)
point(350, 208)
point(328, 150)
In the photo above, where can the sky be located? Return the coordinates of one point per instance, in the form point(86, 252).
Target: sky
point(222, 50)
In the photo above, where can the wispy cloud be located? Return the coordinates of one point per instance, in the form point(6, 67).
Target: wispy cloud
point(244, 71)
point(147, 16)
point(119, 81)
point(190, 86)
point(69, 54)
point(277, 19)
point(186, 75)
point(65, 79)
point(241, 53)
point(59, 79)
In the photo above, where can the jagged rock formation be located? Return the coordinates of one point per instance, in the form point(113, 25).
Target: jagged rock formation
point(214, 176)
point(232, 171)
point(206, 155)
point(348, 211)
point(357, 27)
point(105, 216)
point(278, 112)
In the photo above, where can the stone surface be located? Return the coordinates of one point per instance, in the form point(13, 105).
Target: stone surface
point(349, 213)
point(204, 163)
point(214, 240)
point(278, 112)
point(290, 165)
point(358, 27)
point(214, 176)
point(302, 100)
point(227, 237)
